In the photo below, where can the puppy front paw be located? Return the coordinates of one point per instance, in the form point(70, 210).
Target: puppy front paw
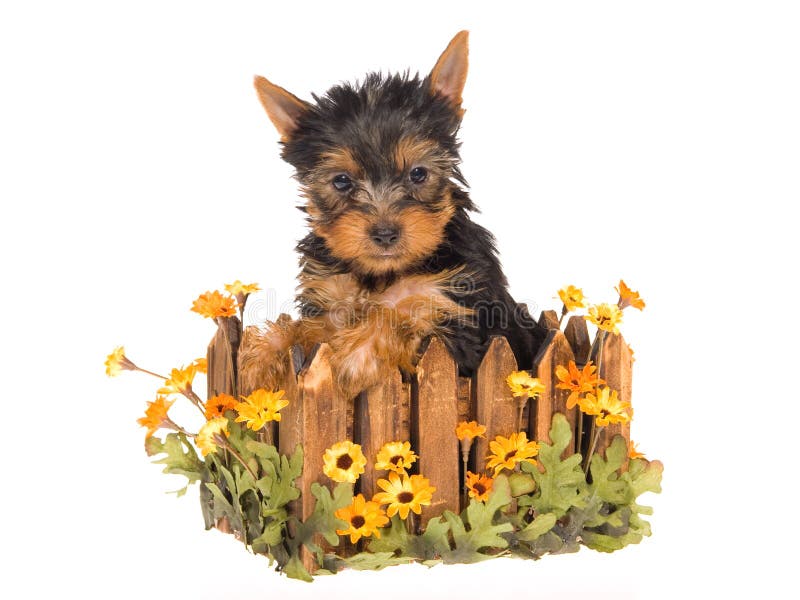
point(264, 357)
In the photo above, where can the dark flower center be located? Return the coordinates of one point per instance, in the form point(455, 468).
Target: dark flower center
point(511, 454)
point(220, 407)
point(357, 521)
point(405, 497)
point(396, 460)
point(480, 488)
point(344, 462)
point(604, 413)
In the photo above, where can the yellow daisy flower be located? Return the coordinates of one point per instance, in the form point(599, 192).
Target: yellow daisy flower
point(363, 518)
point(117, 362)
point(238, 288)
point(633, 451)
point(213, 304)
point(604, 404)
point(179, 381)
point(479, 486)
point(572, 298)
point(403, 494)
point(155, 415)
point(508, 451)
point(260, 407)
point(522, 384)
point(395, 456)
point(206, 438)
point(469, 430)
point(217, 405)
point(606, 316)
point(577, 381)
point(344, 462)
point(627, 297)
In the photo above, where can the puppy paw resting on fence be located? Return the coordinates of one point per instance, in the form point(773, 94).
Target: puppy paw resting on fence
point(430, 466)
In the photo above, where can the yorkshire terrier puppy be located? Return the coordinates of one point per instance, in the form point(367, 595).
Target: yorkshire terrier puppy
point(392, 255)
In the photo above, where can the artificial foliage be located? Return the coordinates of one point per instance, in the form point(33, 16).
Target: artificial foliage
point(544, 508)
point(534, 497)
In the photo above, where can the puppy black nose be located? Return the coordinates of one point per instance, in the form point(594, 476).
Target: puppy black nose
point(385, 235)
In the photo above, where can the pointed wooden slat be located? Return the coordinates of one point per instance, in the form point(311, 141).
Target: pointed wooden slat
point(222, 358)
point(495, 407)
point(291, 432)
point(549, 319)
point(381, 415)
point(434, 420)
point(577, 335)
point(616, 368)
point(555, 351)
point(317, 420)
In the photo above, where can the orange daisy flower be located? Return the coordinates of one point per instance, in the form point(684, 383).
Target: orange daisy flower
point(479, 486)
point(577, 381)
point(469, 430)
point(627, 297)
point(155, 415)
point(364, 518)
point(216, 406)
point(213, 304)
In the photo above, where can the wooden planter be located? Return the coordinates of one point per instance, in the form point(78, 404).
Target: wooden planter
point(425, 407)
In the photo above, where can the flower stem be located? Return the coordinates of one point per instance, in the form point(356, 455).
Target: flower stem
point(595, 435)
point(195, 399)
point(224, 443)
point(564, 313)
point(521, 401)
point(150, 373)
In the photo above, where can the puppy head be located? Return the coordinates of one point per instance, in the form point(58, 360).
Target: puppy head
point(378, 161)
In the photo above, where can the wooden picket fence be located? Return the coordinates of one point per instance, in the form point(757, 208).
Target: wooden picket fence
point(425, 407)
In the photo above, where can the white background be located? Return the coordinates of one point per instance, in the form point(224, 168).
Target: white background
point(652, 141)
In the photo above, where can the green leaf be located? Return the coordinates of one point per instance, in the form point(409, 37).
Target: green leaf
point(323, 520)
point(538, 527)
point(482, 532)
point(294, 569)
point(521, 484)
point(374, 561)
point(562, 485)
point(223, 507)
point(180, 459)
point(430, 545)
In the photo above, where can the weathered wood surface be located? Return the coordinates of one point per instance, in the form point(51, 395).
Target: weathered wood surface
point(549, 319)
point(316, 417)
point(222, 356)
point(382, 414)
point(434, 420)
point(425, 410)
point(495, 407)
point(555, 351)
point(577, 335)
point(616, 368)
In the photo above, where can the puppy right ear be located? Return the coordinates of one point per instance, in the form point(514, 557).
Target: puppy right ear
point(283, 108)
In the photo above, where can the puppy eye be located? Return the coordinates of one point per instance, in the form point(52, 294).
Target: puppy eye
point(342, 182)
point(418, 174)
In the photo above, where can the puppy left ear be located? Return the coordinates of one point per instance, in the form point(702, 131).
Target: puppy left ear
point(450, 73)
point(283, 108)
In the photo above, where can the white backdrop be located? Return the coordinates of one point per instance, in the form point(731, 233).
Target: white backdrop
point(657, 142)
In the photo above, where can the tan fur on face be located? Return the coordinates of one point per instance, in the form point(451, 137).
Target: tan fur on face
point(421, 232)
point(412, 151)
